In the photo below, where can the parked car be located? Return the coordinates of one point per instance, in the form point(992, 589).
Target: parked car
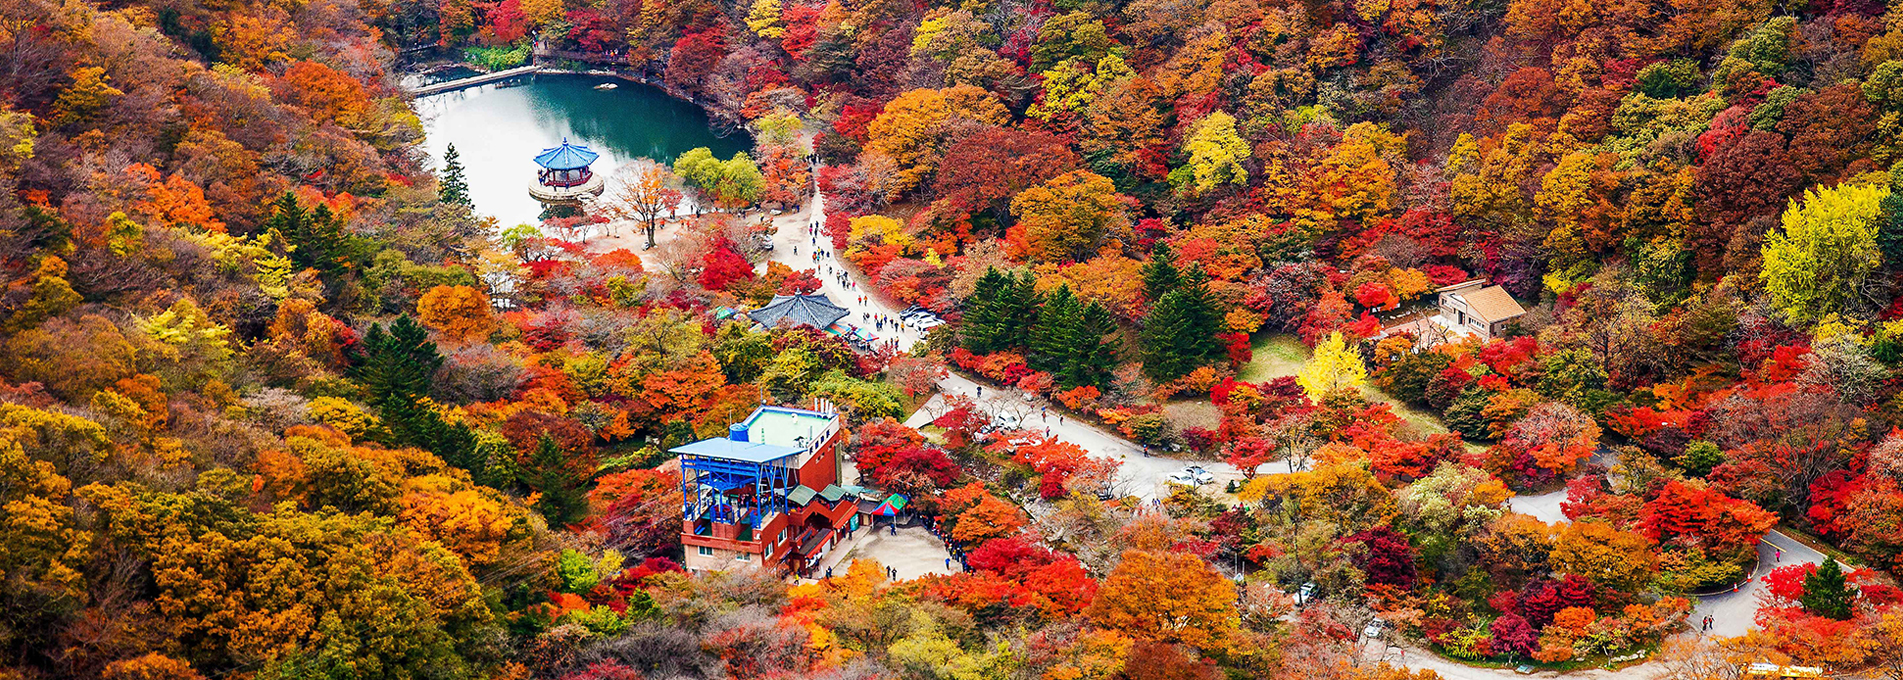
point(1193, 475)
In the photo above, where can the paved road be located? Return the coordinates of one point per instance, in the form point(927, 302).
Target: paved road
point(793, 243)
point(1732, 613)
point(1140, 476)
point(1543, 507)
point(1735, 613)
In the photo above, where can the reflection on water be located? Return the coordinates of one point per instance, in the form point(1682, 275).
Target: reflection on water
point(498, 131)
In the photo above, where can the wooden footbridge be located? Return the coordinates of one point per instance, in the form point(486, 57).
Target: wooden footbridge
point(472, 81)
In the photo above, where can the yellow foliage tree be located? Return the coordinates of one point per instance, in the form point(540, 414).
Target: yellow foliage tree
point(86, 96)
point(542, 11)
point(764, 19)
point(1819, 260)
point(1215, 153)
point(1334, 366)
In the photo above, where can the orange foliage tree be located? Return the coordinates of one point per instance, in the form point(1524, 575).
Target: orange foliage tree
point(459, 312)
point(1166, 597)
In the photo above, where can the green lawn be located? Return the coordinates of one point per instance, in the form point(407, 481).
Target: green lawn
point(1275, 355)
point(1193, 413)
point(1280, 354)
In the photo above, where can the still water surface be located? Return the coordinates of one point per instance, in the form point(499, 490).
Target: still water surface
point(498, 132)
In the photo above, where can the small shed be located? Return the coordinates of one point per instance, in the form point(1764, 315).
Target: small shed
point(1476, 308)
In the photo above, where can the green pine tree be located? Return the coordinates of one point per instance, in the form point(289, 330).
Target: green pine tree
point(981, 312)
point(317, 238)
point(1180, 333)
point(1017, 308)
point(452, 188)
point(1000, 312)
point(1093, 355)
point(1055, 334)
point(1825, 593)
point(561, 499)
point(1163, 341)
point(1160, 275)
point(396, 369)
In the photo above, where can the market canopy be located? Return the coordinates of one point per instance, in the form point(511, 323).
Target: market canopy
point(566, 157)
point(893, 505)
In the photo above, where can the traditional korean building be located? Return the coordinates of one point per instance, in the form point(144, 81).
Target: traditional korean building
point(565, 176)
point(767, 495)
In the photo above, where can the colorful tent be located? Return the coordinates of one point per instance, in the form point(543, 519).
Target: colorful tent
point(892, 505)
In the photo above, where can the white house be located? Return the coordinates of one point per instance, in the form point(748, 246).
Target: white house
point(1475, 308)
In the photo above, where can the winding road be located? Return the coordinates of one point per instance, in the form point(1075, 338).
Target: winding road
point(1732, 612)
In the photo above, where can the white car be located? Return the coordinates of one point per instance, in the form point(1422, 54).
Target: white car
point(1193, 475)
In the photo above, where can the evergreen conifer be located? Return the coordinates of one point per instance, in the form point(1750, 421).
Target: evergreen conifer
point(1160, 275)
point(453, 188)
point(560, 496)
point(397, 369)
point(1180, 333)
point(1825, 593)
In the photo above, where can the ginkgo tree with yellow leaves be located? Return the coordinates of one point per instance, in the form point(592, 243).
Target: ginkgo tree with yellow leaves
point(1334, 366)
point(1215, 156)
point(1819, 261)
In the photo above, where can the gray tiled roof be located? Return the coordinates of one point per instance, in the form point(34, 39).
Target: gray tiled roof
point(816, 311)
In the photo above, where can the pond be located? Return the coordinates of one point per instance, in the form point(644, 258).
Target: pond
point(499, 130)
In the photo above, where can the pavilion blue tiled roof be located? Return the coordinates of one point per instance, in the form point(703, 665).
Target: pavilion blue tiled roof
point(566, 157)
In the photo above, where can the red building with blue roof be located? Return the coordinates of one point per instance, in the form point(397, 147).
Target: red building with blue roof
point(767, 495)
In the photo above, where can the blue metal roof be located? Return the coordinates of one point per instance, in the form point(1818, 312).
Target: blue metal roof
point(566, 157)
point(728, 449)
